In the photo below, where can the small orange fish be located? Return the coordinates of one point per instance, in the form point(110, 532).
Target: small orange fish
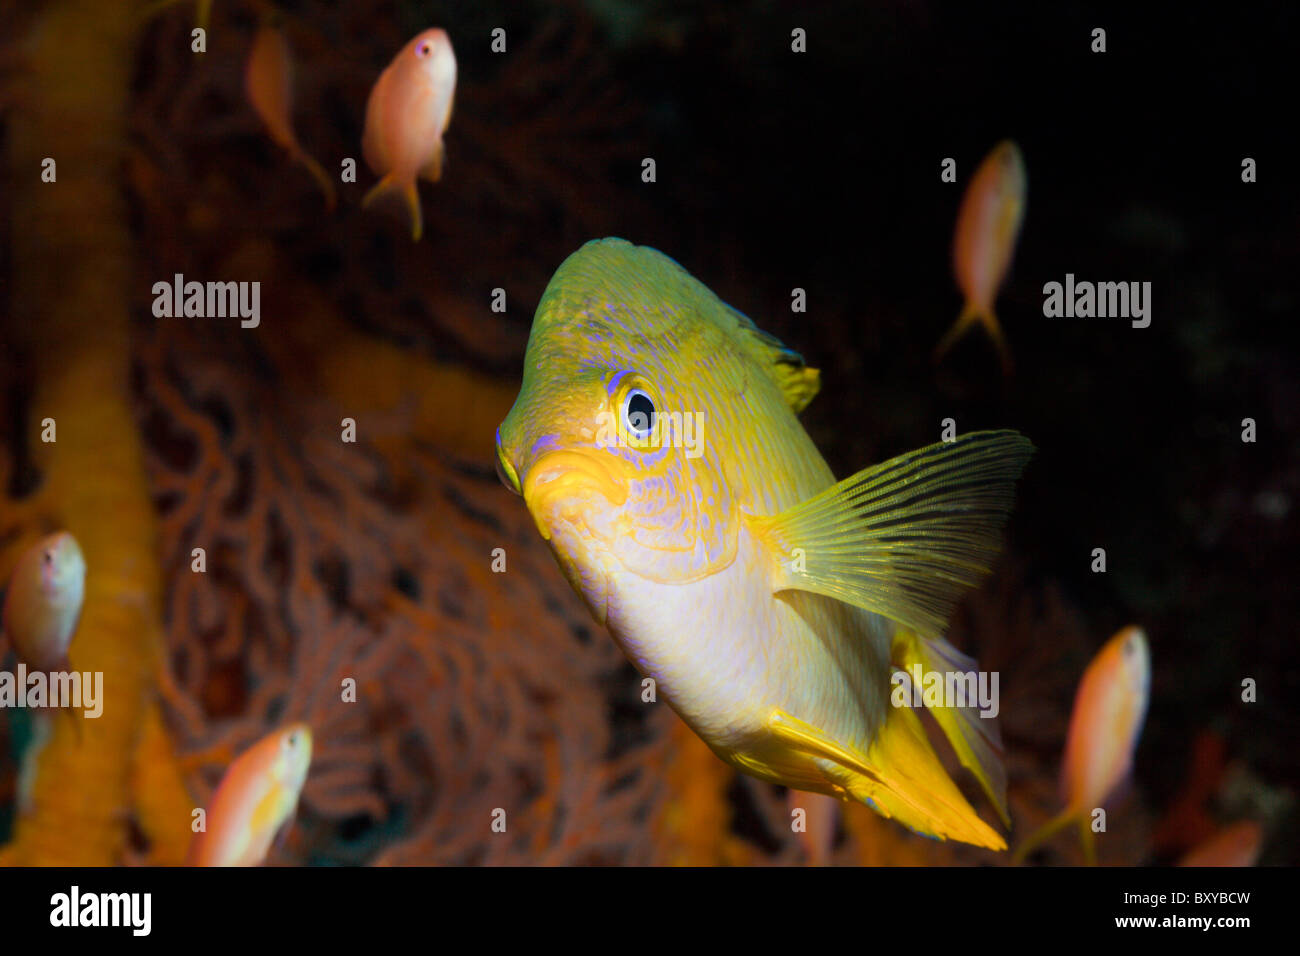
point(254, 801)
point(1235, 845)
point(985, 239)
point(44, 602)
point(821, 817)
point(268, 83)
point(408, 111)
point(1109, 709)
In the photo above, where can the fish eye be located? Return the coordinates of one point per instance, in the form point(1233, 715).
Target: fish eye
point(424, 49)
point(638, 413)
point(48, 557)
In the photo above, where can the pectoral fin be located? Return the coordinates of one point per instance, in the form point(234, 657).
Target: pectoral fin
point(905, 538)
point(973, 737)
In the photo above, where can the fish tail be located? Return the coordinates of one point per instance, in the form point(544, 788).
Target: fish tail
point(1088, 839)
point(1043, 833)
point(972, 314)
point(969, 315)
point(405, 190)
point(899, 776)
point(322, 178)
point(909, 784)
point(973, 736)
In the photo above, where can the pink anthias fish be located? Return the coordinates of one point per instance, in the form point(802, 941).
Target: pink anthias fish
point(255, 800)
point(408, 111)
point(44, 601)
point(821, 817)
point(988, 225)
point(1237, 844)
point(268, 83)
point(1109, 709)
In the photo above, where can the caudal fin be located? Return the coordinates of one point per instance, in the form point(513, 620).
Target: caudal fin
point(915, 789)
point(899, 777)
point(972, 315)
point(973, 736)
point(322, 178)
point(1044, 833)
point(391, 187)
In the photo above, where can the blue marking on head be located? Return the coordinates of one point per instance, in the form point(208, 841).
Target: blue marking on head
point(612, 387)
point(545, 442)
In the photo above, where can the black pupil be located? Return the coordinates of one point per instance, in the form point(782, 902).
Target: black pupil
point(639, 411)
point(424, 49)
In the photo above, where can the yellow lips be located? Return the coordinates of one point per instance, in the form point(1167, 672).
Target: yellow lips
point(569, 477)
point(505, 470)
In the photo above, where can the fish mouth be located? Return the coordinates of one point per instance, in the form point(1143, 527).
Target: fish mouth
point(572, 496)
point(559, 487)
point(506, 471)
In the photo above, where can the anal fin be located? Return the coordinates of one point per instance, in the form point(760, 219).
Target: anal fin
point(900, 777)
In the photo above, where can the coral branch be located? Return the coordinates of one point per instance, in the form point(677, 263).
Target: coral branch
point(71, 272)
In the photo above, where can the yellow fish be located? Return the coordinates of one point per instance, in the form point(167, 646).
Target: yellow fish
point(268, 83)
point(988, 225)
point(408, 111)
point(44, 602)
point(254, 801)
point(656, 445)
point(1109, 708)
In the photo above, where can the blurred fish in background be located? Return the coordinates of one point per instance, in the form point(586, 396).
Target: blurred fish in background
point(407, 113)
point(988, 225)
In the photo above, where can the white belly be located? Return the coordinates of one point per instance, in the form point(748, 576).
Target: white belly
point(725, 652)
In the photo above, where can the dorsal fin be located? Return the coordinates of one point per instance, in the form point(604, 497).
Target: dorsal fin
point(798, 383)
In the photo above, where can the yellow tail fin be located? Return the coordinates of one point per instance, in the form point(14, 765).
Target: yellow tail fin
point(406, 191)
point(900, 777)
point(1043, 833)
point(916, 790)
point(971, 315)
point(322, 178)
point(973, 737)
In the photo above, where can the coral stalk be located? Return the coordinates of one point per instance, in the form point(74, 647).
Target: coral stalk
point(71, 274)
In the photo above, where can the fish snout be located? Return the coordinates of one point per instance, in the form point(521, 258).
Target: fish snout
point(570, 475)
point(506, 471)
